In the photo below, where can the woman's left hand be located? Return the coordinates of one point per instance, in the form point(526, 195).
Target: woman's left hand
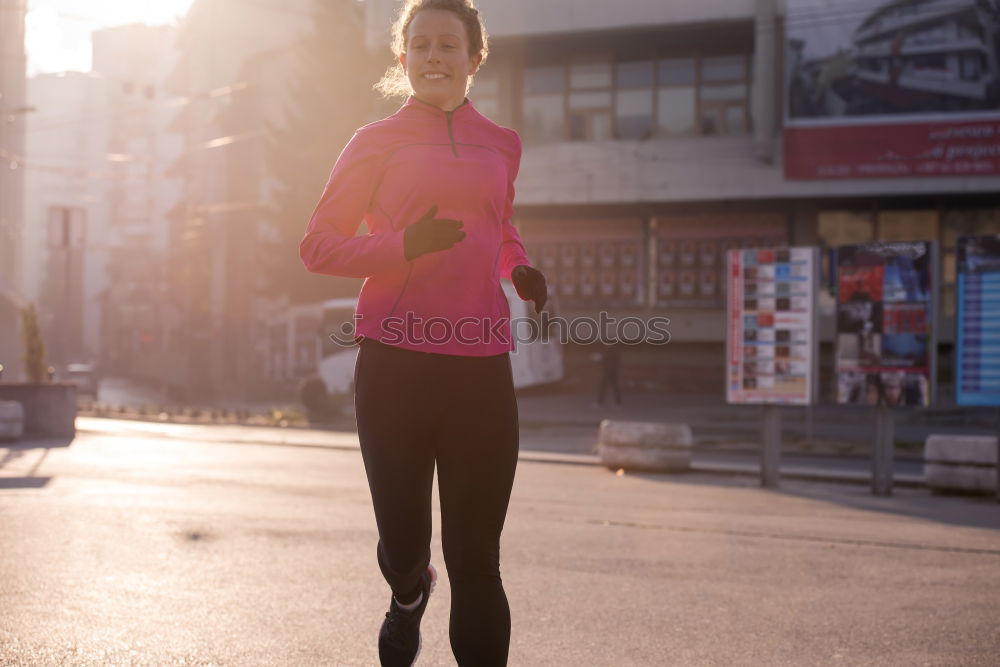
point(530, 285)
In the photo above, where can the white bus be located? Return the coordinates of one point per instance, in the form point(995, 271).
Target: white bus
point(301, 345)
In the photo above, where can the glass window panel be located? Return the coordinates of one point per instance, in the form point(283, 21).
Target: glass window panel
point(485, 86)
point(677, 72)
point(635, 74)
point(733, 92)
point(543, 118)
point(590, 75)
point(634, 127)
point(488, 106)
point(596, 100)
point(723, 68)
point(634, 114)
point(600, 125)
point(736, 119)
point(711, 121)
point(676, 111)
point(544, 79)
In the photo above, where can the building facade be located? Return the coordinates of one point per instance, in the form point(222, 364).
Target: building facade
point(235, 92)
point(653, 143)
point(13, 109)
point(97, 202)
point(66, 178)
point(132, 305)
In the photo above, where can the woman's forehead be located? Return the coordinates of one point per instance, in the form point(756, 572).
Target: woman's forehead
point(436, 23)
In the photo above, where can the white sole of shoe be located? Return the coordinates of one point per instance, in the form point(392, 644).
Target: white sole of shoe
point(420, 637)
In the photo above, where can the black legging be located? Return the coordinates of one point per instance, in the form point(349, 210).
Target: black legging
point(416, 409)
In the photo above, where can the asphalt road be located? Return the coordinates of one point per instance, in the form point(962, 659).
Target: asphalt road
point(143, 549)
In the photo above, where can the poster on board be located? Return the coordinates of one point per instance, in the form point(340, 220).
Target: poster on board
point(885, 323)
point(892, 88)
point(977, 321)
point(772, 330)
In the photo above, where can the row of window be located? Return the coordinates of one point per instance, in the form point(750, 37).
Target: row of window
point(594, 101)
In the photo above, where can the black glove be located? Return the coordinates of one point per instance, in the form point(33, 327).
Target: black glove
point(430, 234)
point(530, 285)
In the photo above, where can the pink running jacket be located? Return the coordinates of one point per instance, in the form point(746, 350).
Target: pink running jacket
point(389, 174)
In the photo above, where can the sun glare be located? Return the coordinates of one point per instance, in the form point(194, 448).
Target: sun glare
point(58, 31)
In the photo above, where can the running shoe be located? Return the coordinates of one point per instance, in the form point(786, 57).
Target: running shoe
point(399, 638)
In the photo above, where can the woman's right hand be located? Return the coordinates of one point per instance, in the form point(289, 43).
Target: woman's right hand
point(430, 234)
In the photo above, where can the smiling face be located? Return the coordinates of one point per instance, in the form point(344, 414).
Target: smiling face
point(437, 60)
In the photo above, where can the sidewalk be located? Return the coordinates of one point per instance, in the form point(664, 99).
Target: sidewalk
point(713, 421)
point(532, 448)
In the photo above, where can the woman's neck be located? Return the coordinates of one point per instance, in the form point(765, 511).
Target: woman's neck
point(449, 106)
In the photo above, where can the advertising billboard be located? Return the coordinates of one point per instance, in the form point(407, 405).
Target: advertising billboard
point(892, 88)
point(977, 339)
point(885, 323)
point(771, 326)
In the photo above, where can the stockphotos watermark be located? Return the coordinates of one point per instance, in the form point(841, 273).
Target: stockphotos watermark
point(412, 329)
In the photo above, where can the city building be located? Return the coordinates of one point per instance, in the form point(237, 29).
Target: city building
point(233, 72)
point(911, 54)
point(97, 203)
point(133, 304)
point(13, 110)
point(66, 178)
point(655, 140)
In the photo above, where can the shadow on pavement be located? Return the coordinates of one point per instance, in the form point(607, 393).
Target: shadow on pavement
point(974, 511)
point(13, 452)
point(23, 482)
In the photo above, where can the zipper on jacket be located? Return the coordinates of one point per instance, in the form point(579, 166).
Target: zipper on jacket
point(451, 136)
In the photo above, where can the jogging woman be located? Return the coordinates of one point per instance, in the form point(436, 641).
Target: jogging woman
point(433, 384)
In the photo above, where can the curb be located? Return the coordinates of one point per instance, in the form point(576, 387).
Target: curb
point(801, 473)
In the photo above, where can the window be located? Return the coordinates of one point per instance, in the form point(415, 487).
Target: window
point(544, 111)
point(634, 100)
point(638, 98)
point(589, 101)
point(676, 98)
point(485, 95)
point(972, 66)
point(724, 94)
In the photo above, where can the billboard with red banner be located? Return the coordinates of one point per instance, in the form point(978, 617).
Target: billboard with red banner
point(892, 88)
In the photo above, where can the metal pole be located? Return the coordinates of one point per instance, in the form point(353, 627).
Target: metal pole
point(67, 301)
point(770, 454)
point(884, 451)
point(765, 85)
point(809, 425)
point(998, 455)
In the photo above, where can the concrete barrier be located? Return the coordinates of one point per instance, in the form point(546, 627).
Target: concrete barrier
point(49, 409)
point(645, 446)
point(11, 420)
point(961, 463)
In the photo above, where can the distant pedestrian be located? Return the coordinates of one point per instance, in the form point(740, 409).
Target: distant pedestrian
point(435, 183)
point(610, 358)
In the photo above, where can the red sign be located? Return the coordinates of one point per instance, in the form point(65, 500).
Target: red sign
point(893, 150)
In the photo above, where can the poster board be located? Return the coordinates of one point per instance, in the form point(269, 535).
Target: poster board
point(886, 310)
point(977, 321)
point(772, 327)
point(891, 88)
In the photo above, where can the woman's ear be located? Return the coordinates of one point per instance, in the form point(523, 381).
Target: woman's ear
point(475, 63)
point(402, 61)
